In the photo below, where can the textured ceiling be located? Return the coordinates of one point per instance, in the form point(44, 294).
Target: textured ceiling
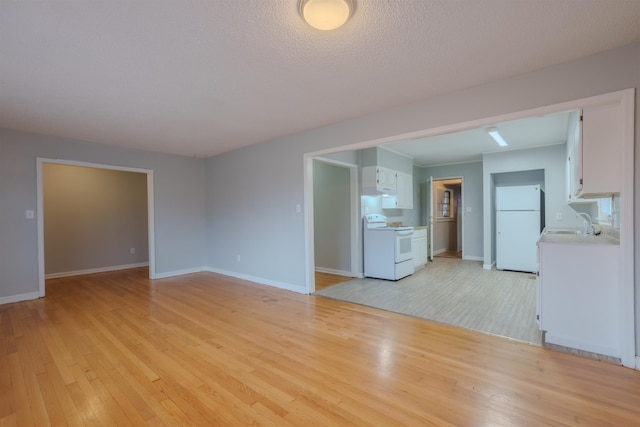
point(204, 77)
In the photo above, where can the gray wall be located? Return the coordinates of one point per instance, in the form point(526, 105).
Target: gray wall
point(92, 218)
point(471, 174)
point(332, 217)
point(523, 167)
point(179, 204)
point(349, 156)
point(252, 199)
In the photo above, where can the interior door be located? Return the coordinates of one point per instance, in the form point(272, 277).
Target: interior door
point(430, 216)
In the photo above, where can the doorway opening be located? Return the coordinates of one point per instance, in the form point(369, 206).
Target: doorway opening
point(446, 218)
point(335, 226)
point(98, 218)
point(482, 207)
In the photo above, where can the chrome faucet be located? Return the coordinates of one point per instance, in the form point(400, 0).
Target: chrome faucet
point(588, 224)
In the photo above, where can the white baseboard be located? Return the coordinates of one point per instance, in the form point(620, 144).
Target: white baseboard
point(638, 363)
point(473, 258)
point(260, 280)
point(20, 297)
point(332, 271)
point(179, 272)
point(439, 251)
point(94, 270)
point(488, 266)
point(581, 345)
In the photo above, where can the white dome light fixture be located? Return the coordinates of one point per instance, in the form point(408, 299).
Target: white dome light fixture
point(326, 15)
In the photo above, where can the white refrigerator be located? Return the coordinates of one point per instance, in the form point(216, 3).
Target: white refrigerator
point(519, 222)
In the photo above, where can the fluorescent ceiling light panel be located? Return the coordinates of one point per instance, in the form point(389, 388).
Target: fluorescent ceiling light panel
point(495, 134)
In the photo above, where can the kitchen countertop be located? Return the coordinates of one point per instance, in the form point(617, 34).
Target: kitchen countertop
point(548, 236)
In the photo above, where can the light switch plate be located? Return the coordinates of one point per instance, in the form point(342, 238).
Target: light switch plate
point(29, 214)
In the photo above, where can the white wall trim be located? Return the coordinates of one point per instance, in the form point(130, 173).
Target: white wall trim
point(487, 266)
point(627, 232)
point(180, 272)
point(638, 363)
point(40, 214)
point(439, 251)
point(586, 346)
point(260, 280)
point(309, 264)
point(473, 258)
point(94, 270)
point(332, 271)
point(19, 298)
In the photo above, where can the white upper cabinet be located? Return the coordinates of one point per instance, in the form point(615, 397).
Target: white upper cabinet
point(403, 198)
point(404, 191)
point(378, 180)
point(594, 152)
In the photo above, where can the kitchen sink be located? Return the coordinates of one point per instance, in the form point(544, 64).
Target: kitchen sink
point(563, 232)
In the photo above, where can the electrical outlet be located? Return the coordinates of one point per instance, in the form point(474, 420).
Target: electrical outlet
point(132, 251)
point(238, 258)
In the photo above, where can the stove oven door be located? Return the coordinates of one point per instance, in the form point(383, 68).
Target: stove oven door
point(404, 251)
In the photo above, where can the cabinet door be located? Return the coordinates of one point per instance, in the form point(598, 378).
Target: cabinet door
point(574, 158)
point(387, 179)
point(419, 251)
point(389, 202)
point(404, 191)
point(539, 288)
point(580, 296)
point(601, 150)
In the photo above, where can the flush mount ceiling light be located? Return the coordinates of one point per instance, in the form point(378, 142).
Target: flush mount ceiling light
point(495, 134)
point(326, 14)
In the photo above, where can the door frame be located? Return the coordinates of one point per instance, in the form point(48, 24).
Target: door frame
point(355, 220)
point(40, 205)
point(462, 211)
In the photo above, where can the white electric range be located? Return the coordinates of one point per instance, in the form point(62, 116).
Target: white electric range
point(387, 250)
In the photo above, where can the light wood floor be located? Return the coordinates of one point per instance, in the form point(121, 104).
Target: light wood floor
point(456, 292)
point(453, 254)
point(325, 280)
point(204, 349)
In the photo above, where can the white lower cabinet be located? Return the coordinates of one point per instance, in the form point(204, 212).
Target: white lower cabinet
point(419, 245)
point(579, 296)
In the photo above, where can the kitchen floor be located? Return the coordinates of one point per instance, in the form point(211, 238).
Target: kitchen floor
point(456, 292)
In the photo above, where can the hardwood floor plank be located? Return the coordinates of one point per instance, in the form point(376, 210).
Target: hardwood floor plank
point(204, 349)
point(30, 405)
